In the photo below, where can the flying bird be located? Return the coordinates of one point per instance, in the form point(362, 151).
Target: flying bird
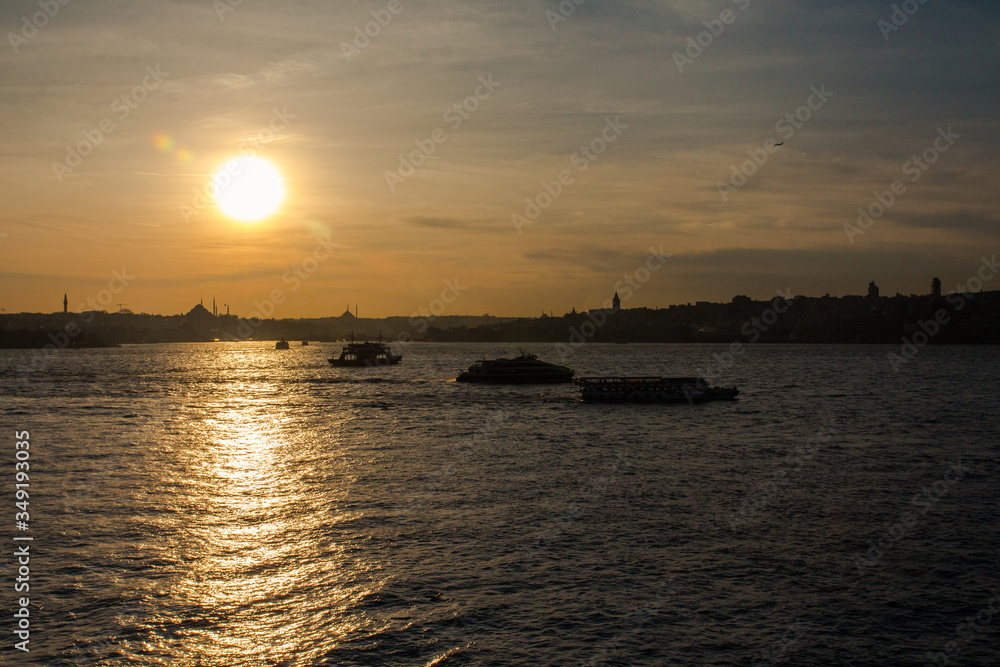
point(781, 144)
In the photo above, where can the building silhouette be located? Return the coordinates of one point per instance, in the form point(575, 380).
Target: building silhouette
point(936, 288)
point(616, 303)
point(65, 303)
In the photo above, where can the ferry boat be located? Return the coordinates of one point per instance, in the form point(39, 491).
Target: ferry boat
point(281, 344)
point(524, 369)
point(652, 390)
point(365, 354)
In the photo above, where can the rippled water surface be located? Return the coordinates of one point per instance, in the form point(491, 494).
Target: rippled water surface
point(230, 504)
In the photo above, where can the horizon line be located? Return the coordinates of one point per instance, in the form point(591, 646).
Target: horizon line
point(544, 314)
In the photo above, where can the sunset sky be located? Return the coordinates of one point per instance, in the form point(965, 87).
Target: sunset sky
point(186, 86)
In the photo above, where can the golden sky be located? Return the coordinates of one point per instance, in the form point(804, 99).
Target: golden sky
point(532, 152)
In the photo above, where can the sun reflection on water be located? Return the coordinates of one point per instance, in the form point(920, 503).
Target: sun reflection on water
point(262, 576)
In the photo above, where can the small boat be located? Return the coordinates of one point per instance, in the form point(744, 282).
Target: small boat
point(525, 369)
point(652, 390)
point(366, 354)
point(305, 342)
point(281, 344)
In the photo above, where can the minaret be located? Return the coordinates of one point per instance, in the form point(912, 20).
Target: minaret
point(215, 313)
point(616, 303)
point(65, 303)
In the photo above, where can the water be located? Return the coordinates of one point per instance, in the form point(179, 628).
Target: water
point(230, 504)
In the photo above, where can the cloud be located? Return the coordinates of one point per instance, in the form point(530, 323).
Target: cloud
point(353, 118)
point(957, 220)
point(439, 223)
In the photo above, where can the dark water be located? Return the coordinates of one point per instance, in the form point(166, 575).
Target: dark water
point(229, 504)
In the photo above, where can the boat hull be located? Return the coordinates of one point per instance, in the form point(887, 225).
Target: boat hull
point(365, 355)
point(525, 369)
point(516, 379)
point(363, 363)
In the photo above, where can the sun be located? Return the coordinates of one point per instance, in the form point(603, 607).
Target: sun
point(248, 188)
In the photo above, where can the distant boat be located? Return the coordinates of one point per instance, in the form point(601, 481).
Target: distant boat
point(85, 344)
point(525, 369)
point(365, 354)
point(281, 344)
point(305, 342)
point(652, 390)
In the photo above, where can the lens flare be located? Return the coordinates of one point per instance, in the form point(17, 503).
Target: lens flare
point(167, 144)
